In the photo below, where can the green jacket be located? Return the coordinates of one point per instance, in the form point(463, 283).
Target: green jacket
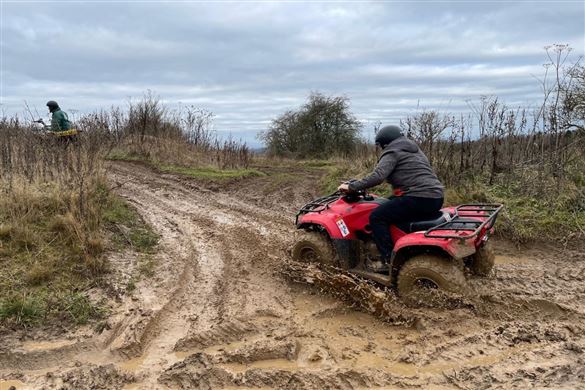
point(60, 121)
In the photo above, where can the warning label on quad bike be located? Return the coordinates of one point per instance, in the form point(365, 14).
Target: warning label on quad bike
point(342, 227)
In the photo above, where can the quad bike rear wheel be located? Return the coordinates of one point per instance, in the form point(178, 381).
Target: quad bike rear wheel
point(421, 277)
point(482, 262)
point(313, 247)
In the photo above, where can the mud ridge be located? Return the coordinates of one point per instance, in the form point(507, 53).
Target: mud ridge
point(221, 334)
point(200, 371)
point(37, 360)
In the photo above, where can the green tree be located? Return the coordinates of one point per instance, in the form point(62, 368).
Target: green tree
point(322, 127)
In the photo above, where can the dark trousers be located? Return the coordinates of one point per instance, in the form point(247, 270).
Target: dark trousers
point(398, 210)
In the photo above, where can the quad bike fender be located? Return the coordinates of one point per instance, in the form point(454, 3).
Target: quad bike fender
point(335, 228)
point(415, 244)
point(347, 250)
point(455, 248)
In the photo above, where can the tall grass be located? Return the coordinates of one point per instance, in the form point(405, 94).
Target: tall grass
point(52, 196)
point(71, 171)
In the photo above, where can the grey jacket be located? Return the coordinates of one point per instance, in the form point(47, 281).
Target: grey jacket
point(406, 168)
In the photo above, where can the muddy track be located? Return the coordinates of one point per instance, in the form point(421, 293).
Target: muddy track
point(224, 310)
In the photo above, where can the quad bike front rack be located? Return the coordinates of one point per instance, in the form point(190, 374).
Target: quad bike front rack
point(471, 218)
point(317, 205)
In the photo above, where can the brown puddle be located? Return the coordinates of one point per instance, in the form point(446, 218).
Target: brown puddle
point(479, 361)
point(363, 361)
point(18, 385)
point(245, 388)
point(143, 386)
point(373, 361)
point(356, 341)
point(30, 346)
point(272, 364)
point(214, 349)
point(427, 387)
point(132, 365)
point(349, 328)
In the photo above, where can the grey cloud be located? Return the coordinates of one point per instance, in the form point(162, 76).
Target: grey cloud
point(249, 61)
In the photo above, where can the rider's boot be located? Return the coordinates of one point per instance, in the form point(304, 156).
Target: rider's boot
point(377, 265)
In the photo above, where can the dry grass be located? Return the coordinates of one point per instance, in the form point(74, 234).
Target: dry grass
point(153, 133)
point(53, 202)
point(48, 254)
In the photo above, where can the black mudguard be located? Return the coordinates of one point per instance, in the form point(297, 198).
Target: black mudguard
point(348, 252)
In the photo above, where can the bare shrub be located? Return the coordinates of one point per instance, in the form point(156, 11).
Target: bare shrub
point(185, 137)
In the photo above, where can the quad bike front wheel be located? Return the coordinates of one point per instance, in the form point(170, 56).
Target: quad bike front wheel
point(423, 278)
point(313, 247)
point(482, 262)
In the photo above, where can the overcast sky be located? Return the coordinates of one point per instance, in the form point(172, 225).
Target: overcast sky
point(247, 62)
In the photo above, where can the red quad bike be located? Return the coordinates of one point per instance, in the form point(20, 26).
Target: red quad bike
point(436, 254)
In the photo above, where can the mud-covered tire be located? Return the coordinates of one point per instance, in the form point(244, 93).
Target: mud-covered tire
point(313, 247)
point(483, 261)
point(423, 273)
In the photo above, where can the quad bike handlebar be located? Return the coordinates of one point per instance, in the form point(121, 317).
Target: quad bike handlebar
point(322, 203)
point(352, 196)
point(42, 122)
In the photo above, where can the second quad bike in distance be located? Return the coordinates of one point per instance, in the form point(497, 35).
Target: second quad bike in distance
point(69, 135)
point(437, 254)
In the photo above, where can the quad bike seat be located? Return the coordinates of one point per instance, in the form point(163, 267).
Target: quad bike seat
point(418, 226)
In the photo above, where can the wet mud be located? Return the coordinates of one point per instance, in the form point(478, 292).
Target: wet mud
point(228, 309)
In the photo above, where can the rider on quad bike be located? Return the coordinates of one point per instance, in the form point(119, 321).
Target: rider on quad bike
point(59, 119)
point(60, 125)
point(418, 193)
point(417, 248)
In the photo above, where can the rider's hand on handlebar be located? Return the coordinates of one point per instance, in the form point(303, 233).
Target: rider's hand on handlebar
point(344, 187)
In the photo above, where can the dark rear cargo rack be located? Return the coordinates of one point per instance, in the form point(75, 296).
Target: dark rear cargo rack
point(471, 218)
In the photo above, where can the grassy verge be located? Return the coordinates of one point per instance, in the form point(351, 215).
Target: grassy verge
point(529, 216)
point(128, 231)
point(203, 173)
point(51, 256)
point(126, 228)
point(210, 173)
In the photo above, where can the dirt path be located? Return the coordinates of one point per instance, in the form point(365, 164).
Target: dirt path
point(219, 315)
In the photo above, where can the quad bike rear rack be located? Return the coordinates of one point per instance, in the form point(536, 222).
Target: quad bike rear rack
point(471, 218)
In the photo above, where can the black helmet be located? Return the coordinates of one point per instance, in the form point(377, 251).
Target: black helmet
point(387, 134)
point(53, 105)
